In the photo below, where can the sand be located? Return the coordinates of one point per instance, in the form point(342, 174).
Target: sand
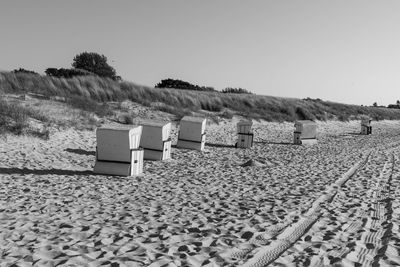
point(336, 202)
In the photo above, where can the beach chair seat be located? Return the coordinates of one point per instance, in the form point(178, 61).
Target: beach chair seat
point(159, 154)
point(298, 140)
point(245, 140)
point(365, 130)
point(189, 144)
point(131, 168)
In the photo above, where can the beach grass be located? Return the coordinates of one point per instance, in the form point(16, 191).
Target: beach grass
point(91, 93)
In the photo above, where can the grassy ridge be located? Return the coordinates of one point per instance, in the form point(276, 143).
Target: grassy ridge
point(180, 102)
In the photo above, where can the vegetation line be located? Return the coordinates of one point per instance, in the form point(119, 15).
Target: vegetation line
point(182, 102)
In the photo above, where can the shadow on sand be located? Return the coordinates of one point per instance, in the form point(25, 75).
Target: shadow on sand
point(43, 172)
point(212, 145)
point(273, 143)
point(80, 151)
point(220, 145)
point(352, 133)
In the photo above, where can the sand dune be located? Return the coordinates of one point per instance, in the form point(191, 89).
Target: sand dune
point(336, 202)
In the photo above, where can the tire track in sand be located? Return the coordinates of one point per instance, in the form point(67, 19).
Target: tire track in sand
point(356, 228)
point(392, 237)
point(370, 248)
point(283, 240)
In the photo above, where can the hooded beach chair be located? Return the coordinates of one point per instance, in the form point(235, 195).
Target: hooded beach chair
point(305, 132)
point(156, 140)
point(245, 134)
point(192, 133)
point(118, 151)
point(366, 127)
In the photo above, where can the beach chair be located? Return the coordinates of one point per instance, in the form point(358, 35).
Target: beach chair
point(366, 127)
point(156, 140)
point(305, 132)
point(118, 151)
point(245, 134)
point(192, 133)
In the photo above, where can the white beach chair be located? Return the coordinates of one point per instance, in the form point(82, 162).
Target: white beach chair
point(192, 133)
point(366, 127)
point(156, 140)
point(305, 132)
point(118, 151)
point(245, 134)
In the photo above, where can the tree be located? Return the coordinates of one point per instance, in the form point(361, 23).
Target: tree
point(375, 104)
point(94, 63)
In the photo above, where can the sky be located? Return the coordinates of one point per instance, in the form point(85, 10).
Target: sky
point(343, 51)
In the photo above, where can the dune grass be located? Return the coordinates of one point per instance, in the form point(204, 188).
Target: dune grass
point(14, 118)
point(90, 92)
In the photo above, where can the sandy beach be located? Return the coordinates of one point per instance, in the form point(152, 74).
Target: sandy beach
point(336, 202)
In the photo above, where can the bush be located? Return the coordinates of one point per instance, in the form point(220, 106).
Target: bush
point(227, 114)
point(125, 118)
point(178, 84)
point(21, 70)
point(94, 63)
point(66, 73)
point(239, 90)
point(396, 106)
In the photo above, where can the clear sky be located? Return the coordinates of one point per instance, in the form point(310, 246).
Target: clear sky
point(340, 50)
